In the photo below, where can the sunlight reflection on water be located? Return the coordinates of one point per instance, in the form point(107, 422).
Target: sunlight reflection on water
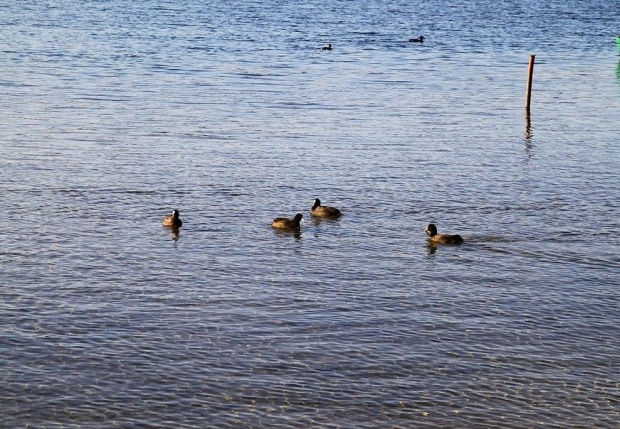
point(115, 113)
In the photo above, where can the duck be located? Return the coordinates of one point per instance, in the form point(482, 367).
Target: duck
point(286, 223)
point(417, 40)
point(431, 230)
point(172, 220)
point(324, 211)
point(327, 48)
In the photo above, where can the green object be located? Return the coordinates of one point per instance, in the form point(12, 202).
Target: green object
point(618, 42)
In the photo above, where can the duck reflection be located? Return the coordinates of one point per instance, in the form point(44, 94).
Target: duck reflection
point(288, 233)
point(317, 221)
point(174, 232)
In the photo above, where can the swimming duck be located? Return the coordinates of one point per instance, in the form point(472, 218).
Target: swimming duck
point(417, 40)
point(285, 223)
point(324, 211)
point(431, 230)
point(172, 220)
point(327, 48)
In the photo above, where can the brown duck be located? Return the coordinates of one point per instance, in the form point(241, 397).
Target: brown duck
point(431, 230)
point(172, 220)
point(324, 211)
point(285, 223)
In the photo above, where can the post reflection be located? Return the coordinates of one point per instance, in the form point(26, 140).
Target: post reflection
point(528, 134)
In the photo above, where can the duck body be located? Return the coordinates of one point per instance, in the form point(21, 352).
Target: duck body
point(172, 220)
point(286, 223)
point(327, 48)
point(417, 39)
point(433, 236)
point(324, 211)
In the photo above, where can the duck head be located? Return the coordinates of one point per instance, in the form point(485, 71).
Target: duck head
point(431, 230)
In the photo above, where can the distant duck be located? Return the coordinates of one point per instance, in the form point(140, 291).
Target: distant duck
point(324, 211)
point(431, 230)
point(417, 40)
point(172, 220)
point(327, 48)
point(285, 223)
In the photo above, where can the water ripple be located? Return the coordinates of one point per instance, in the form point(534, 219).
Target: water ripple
point(115, 113)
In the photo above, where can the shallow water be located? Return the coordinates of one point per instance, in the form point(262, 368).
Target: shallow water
point(114, 113)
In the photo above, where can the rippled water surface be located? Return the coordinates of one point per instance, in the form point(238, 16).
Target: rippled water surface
point(113, 113)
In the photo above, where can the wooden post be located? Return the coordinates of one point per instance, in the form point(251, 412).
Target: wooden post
point(528, 91)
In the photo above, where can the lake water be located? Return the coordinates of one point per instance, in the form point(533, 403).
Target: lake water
point(113, 113)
